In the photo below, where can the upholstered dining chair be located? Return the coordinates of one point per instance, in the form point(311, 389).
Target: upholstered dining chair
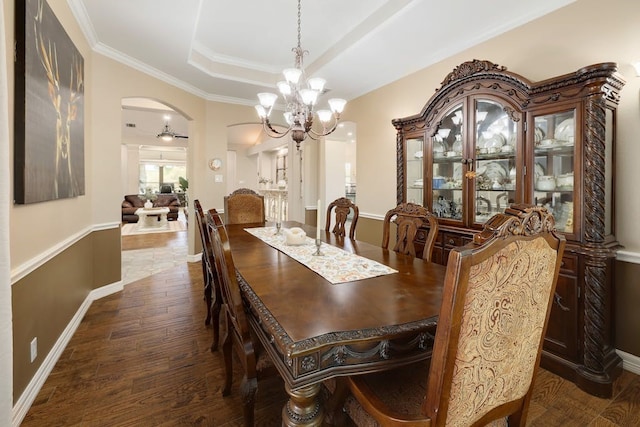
point(497, 297)
point(342, 208)
point(409, 217)
point(238, 334)
point(212, 295)
point(244, 206)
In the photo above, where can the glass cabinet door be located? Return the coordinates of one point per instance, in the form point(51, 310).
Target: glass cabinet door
point(554, 153)
point(495, 167)
point(415, 174)
point(447, 168)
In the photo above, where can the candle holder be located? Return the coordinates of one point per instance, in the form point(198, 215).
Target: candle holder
point(278, 228)
point(317, 252)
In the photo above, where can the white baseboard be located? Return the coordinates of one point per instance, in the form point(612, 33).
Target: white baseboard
point(627, 256)
point(194, 258)
point(630, 362)
point(25, 401)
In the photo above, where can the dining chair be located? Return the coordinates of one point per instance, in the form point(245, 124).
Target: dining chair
point(212, 295)
point(342, 208)
point(244, 206)
point(409, 217)
point(238, 334)
point(496, 301)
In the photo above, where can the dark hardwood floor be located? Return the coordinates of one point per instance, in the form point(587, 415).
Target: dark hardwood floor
point(141, 357)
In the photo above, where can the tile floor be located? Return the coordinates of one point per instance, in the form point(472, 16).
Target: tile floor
point(141, 263)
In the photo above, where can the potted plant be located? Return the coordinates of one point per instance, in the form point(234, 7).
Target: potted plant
point(182, 191)
point(263, 181)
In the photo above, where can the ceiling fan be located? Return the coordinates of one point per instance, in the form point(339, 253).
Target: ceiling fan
point(167, 134)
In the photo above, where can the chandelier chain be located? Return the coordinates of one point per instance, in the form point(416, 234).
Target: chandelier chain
point(299, 20)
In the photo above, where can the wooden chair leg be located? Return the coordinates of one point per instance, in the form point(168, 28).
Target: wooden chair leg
point(335, 403)
point(249, 387)
point(207, 301)
point(227, 349)
point(207, 291)
point(214, 308)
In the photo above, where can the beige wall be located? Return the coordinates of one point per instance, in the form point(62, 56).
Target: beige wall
point(583, 33)
point(33, 229)
point(218, 117)
point(45, 301)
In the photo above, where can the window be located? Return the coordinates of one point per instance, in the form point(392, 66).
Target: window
point(153, 175)
point(281, 166)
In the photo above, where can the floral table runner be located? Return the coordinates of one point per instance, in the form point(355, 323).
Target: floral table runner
point(336, 265)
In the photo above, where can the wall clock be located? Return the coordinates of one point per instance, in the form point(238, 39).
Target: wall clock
point(215, 164)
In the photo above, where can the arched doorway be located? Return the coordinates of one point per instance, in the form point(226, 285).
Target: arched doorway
point(154, 151)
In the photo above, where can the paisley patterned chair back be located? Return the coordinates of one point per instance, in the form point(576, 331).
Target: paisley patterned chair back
point(244, 206)
point(496, 301)
point(496, 304)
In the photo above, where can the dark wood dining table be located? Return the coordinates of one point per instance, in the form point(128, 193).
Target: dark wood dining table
point(314, 330)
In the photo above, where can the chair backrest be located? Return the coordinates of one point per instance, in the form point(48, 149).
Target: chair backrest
point(342, 207)
point(409, 217)
point(204, 235)
point(497, 298)
point(244, 206)
point(231, 297)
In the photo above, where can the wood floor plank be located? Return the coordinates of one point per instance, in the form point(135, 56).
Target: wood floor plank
point(625, 409)
point(141, 357)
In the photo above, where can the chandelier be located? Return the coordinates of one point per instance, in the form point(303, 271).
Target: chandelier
point(300, 96)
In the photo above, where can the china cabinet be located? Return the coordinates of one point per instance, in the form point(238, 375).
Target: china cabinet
point(488, 138)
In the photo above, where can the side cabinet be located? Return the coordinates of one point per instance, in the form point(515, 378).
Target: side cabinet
point(488, 138)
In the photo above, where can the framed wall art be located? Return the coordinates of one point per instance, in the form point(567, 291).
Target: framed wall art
point(49, 108)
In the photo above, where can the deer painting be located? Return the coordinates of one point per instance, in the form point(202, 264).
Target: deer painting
point(54, 138)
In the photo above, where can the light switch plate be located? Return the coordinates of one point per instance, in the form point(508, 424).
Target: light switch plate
point(218, 178)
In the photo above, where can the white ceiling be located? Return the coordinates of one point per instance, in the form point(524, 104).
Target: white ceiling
point(229, 50)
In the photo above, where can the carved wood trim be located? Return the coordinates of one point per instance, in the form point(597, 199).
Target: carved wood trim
point(594, 168)
point(595, 314)
point(312, 356)
point(400, 160)
point(468, 68)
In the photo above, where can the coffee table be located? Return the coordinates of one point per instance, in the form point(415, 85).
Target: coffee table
point(152, 219)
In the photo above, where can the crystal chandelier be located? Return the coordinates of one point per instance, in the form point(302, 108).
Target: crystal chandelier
point(300, 95)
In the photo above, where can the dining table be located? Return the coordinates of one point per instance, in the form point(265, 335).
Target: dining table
point(315, 329)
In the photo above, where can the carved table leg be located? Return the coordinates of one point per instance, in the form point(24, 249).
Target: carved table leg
point(303, 407)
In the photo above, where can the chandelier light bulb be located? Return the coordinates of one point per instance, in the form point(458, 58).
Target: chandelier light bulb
point(309, 96)
point(337, 104)
point(262, 113)
point(267, 100)
point(317, 84)
point(292, 75)
point(324, 115)
point(284, 88)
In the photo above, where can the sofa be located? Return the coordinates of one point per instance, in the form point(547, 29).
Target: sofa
point(133, 202)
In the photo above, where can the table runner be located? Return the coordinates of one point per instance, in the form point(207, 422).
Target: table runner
point(335, 265)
